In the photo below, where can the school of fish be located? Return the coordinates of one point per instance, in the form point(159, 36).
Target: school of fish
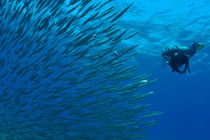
point(64, 74)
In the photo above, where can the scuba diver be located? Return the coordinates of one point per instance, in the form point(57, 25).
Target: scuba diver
point(177, 56)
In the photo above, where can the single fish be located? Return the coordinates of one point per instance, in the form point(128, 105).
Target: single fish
point(121, 13)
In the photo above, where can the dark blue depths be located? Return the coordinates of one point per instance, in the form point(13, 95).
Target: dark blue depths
point(65, 75)
point(184, 99)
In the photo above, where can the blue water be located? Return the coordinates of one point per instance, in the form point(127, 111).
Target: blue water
point(184, 99)
point(51, 92)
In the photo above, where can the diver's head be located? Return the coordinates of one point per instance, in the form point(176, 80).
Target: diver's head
point(166, 54)
point(198, 46)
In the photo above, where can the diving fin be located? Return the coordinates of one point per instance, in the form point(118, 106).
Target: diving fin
point(200, 46)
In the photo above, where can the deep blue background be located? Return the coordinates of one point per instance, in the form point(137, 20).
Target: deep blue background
point(184, 99)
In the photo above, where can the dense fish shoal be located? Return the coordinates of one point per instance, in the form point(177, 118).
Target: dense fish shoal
point(64, 72)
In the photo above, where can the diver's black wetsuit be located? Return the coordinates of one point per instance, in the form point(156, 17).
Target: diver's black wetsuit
point(177, 60)
point(178, 56)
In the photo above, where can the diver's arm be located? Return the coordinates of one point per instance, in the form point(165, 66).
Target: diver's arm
point(189, 70)
point(186, 67)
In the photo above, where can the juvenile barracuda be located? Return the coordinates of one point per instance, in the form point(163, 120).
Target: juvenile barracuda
point(66, 75)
